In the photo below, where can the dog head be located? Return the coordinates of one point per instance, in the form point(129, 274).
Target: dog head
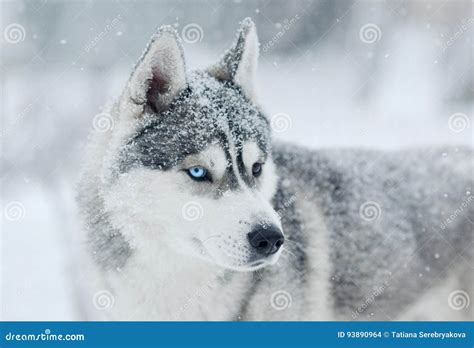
point(193, 168)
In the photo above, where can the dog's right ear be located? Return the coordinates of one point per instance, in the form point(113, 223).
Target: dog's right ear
point(160, 73)
point(239, 63)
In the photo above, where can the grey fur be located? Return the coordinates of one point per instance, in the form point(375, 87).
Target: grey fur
point(407, 250)
point(416, 190)
point(200, 115)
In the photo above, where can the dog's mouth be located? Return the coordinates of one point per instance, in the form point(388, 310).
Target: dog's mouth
point(249, 267)
point(254, 264)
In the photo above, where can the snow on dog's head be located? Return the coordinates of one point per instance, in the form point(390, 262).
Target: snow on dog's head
point(192, 167)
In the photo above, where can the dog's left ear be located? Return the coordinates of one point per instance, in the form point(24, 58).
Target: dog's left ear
point(160, 73)
point(239, 63)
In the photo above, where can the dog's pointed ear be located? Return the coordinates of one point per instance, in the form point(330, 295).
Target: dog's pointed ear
point(239, 63)
point(160, 73)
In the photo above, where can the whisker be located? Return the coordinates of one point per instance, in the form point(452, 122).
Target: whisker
point(293, 241)
point(210, 237)
point(288, 251)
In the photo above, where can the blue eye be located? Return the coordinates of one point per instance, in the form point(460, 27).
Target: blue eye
point(257, 169)
point(198, 173)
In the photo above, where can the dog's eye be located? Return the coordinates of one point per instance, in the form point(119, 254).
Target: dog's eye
point(199, 173)
point(257, 169)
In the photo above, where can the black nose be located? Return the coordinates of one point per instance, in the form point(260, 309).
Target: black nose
point(266, 239)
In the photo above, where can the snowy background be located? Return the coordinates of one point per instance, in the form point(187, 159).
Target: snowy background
point(378, 74)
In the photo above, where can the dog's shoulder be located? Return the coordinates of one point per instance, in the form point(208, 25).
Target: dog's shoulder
point(363, 194)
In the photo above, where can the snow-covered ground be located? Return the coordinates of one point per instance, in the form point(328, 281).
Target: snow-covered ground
point(400, 91)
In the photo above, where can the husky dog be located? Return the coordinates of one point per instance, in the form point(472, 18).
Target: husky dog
point(192, 212)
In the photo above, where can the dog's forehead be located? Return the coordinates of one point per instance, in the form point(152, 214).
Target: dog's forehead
point(221, 108)
point(207, 112)
point(213, 157)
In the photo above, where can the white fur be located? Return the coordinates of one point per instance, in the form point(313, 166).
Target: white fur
point(149, 205)
point(247, 70)
point(319, 264)
point(163, 59)
point(246, 73)
point(183, 258)
point(186, 236)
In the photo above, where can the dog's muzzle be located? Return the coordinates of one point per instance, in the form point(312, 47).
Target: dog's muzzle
point(266, 240)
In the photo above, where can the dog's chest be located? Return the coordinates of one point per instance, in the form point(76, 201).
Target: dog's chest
point(197, 292)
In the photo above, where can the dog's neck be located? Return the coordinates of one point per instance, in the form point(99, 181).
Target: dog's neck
point(185, 285)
